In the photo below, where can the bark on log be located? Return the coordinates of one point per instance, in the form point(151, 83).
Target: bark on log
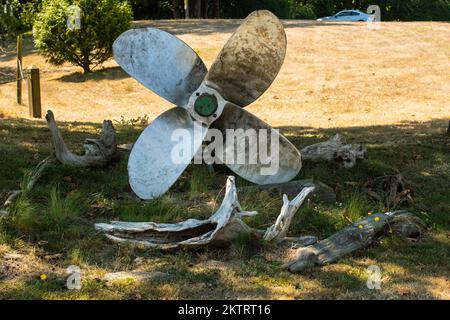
point(334, 150)
point(98, 152)
point(354, 237)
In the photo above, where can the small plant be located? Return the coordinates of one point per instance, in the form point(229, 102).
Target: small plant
point(90, 43)
point(61, 210)
point(356, 207)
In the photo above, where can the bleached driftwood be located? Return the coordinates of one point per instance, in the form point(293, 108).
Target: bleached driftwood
point(29, 182)
point(278, 231)
point(354, 237)
point(98, 152)
point(334, 150)
point(220, 229)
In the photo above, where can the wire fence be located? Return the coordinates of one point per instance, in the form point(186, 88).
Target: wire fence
point(13, 76)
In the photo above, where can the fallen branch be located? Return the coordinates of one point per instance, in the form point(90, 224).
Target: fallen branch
point(98, 152)
point(279, 230)
point(334, 150)
point(389, 189)
point(354, 237)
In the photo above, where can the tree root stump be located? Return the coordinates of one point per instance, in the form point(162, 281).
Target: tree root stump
point(98, 152)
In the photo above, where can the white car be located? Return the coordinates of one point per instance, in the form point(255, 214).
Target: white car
point(348, 15)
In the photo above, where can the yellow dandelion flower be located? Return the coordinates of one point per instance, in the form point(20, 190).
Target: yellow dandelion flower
point(360, 226)
point(43, 277)
point(377, 218)
point(369, 213)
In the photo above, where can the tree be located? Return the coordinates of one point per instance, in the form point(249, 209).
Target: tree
point(10, 24)
point(87, 42)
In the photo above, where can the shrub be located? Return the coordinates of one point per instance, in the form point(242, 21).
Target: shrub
point(102, 21)
point(301, 11)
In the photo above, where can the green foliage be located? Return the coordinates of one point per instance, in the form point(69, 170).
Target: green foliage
point(61, 210)
point(10, 24)
point(293, 9)
point(299, 9)
point(102, 21)
point(29, 11)
point(242, 8)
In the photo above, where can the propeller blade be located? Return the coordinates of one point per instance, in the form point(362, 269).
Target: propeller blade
point(163, 151)
point(264, 165)
point(161, 62)
point(250, 60)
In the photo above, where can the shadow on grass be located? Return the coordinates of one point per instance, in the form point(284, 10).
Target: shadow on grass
point(110, 74)
point(420, 151)
point(7, 74)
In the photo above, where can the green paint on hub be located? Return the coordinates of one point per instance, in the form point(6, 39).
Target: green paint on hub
point(205, 105)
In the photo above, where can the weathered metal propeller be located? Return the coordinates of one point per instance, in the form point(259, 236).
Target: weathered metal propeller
point(244, 69)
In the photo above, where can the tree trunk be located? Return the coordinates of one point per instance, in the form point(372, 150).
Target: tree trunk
point(216, 9)
point(86, 64)
point(205, 9)
point(198, 9)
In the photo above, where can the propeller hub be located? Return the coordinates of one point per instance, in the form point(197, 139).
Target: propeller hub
point(206, 104)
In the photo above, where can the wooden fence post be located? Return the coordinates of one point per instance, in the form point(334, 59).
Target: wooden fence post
point(34, 92)
point(19, 71)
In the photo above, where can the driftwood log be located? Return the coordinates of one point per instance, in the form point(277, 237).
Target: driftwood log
point(98, 152)
point(219, 230)
point(354, 237)
point(334, 150)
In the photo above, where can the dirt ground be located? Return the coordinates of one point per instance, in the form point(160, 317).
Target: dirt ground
point(334, 75)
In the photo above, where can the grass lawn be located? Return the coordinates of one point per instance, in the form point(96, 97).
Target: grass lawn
point(52, 226)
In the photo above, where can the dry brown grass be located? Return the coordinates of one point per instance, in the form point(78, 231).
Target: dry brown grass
point(334, 75)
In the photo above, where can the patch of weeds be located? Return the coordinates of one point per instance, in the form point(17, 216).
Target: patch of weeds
point(200, 179)
point(159, 210)
point(61, 210)
point(356, 207)
point(318, 220)
point(22, 214)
